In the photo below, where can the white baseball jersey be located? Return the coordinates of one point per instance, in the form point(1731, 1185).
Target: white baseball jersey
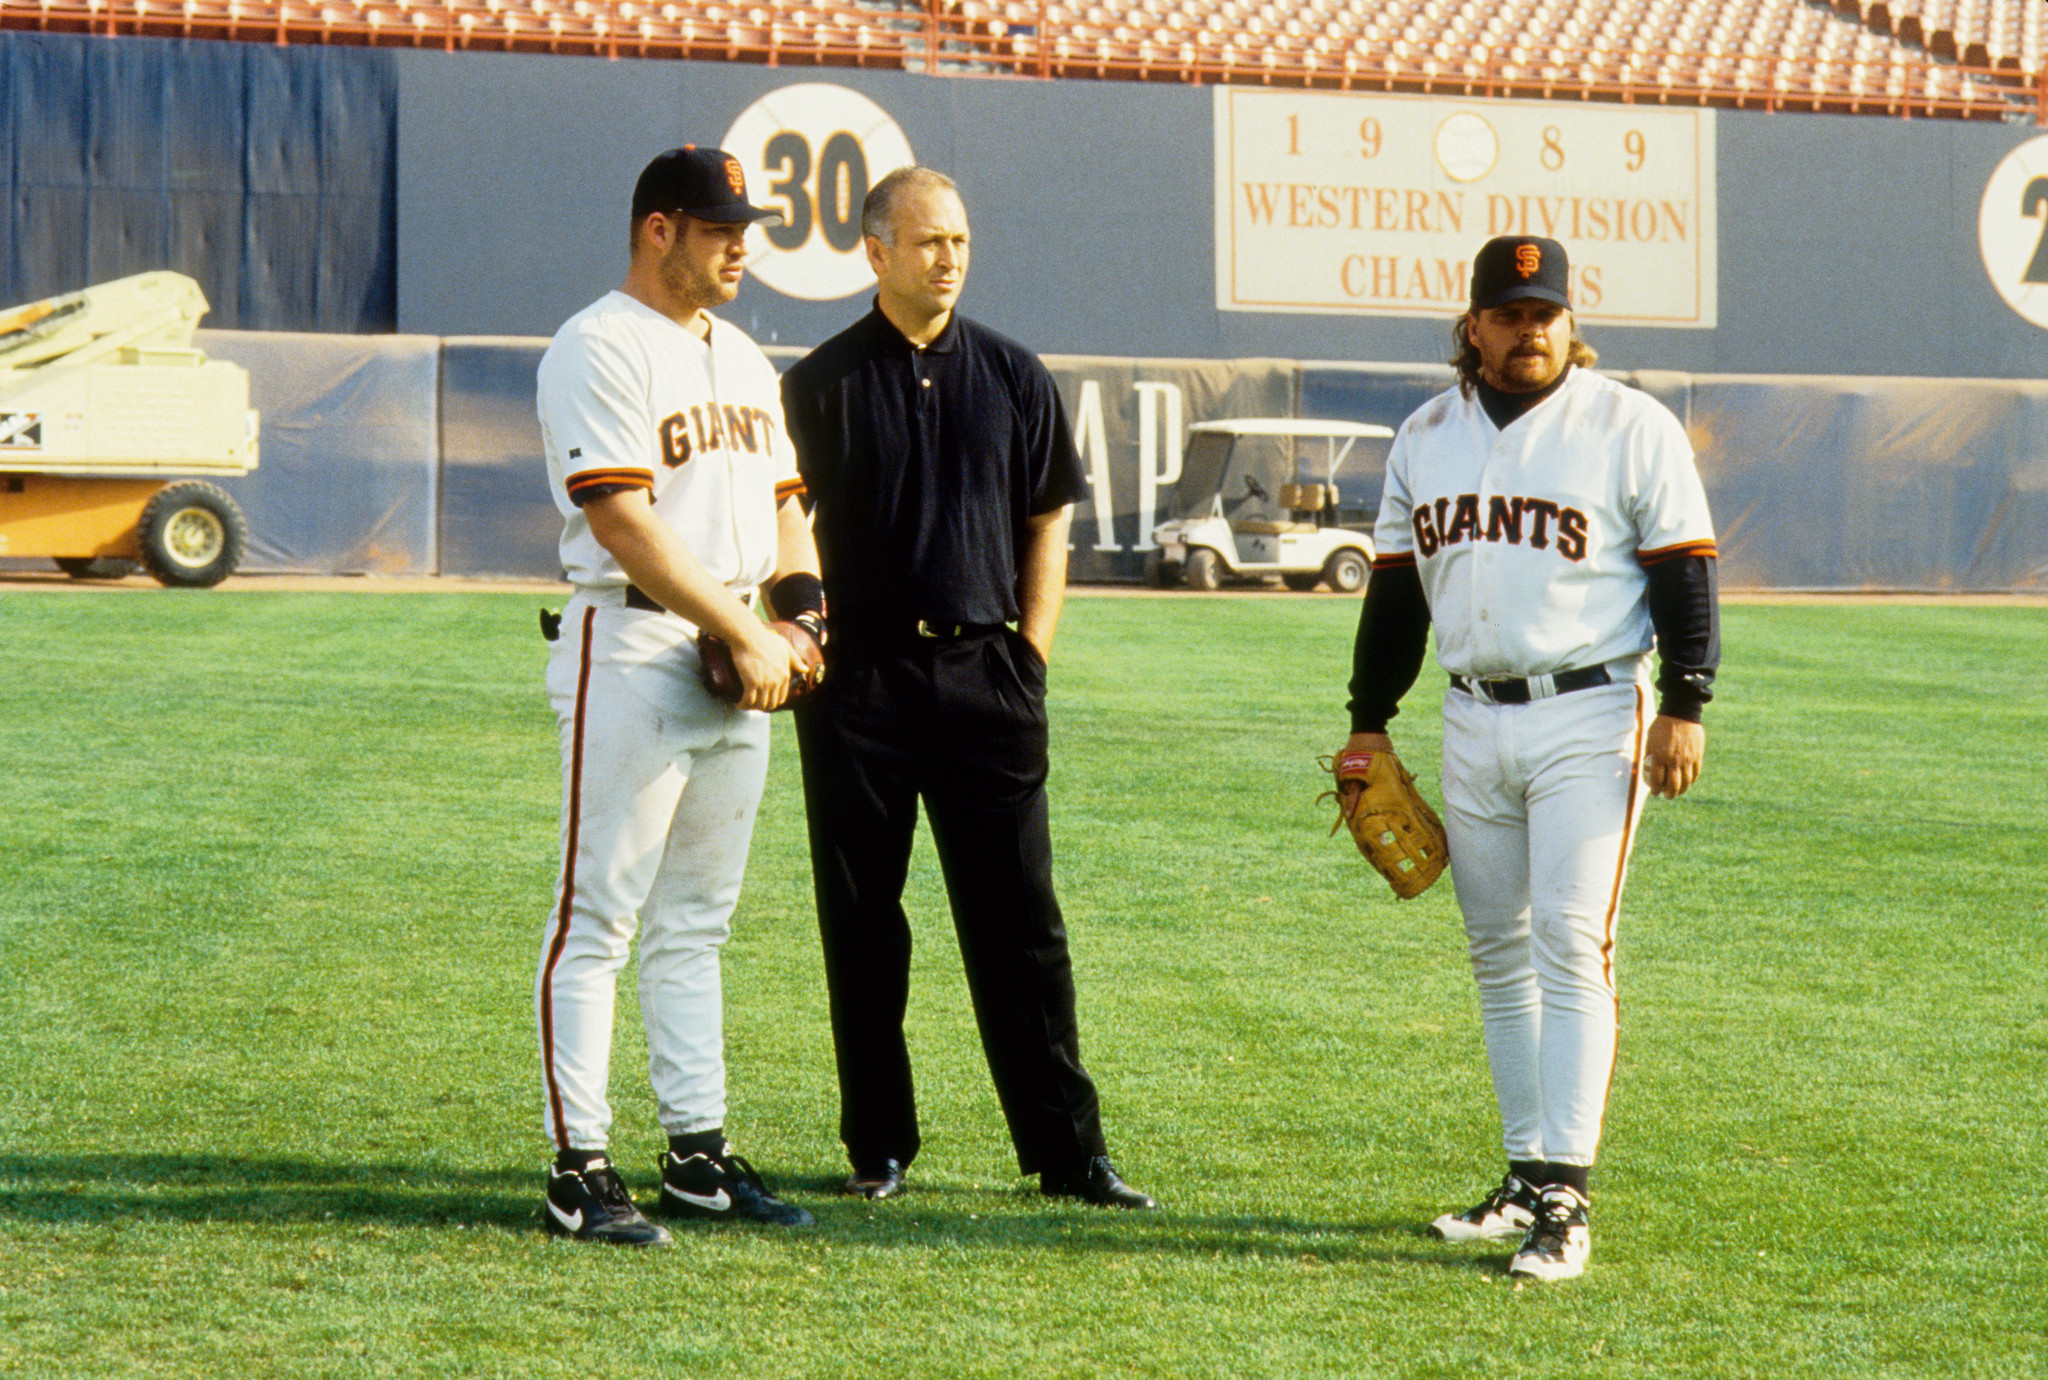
point(1530, 540)
point(628, 396)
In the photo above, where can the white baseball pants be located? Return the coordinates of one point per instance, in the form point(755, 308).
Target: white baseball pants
point(1541, 803)
point(660, 786)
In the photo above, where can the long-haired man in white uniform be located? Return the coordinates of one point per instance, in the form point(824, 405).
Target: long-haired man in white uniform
point(668, 458)
point(1551, 525)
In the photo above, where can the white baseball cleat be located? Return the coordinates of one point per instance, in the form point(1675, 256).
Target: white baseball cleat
point(1507, 1212)
point(1561, 1239)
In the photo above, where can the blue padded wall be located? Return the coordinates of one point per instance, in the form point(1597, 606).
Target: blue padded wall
point(266, 174)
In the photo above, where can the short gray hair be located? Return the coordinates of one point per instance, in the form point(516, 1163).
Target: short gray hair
point(878, 212)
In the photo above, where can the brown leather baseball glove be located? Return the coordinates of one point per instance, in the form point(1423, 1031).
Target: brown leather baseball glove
point(1393, 826)
point(722, 678)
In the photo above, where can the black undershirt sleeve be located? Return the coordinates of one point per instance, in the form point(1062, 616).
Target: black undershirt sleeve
point(1386, 657)
point(584, 495)
point(1686, 612)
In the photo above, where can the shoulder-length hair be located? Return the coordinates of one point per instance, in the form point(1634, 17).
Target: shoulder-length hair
point(1465, 355)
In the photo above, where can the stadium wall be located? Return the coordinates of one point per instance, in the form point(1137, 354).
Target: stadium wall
point(1846, 245)
point(1864, 404)
point(452, 194)
point(401, 455)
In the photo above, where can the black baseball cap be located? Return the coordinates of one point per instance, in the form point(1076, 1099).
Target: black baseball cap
point(1511, 267)
point(706, 183)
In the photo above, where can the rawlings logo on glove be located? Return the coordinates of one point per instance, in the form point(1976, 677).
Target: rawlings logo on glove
point(1393, 826)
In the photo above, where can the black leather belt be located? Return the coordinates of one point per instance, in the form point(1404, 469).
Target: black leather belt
point(1516, 690)
point(868, 630)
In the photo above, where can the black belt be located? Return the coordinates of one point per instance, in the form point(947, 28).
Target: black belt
point(1516, 690)
point(898, 632)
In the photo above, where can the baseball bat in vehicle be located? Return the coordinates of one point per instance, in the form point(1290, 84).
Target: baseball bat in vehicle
point(111, 422)
point(1260, 498)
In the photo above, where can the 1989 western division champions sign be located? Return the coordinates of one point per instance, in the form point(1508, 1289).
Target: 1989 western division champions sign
point(1374, 205)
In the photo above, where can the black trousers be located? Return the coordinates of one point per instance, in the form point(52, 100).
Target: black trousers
point(959, 723)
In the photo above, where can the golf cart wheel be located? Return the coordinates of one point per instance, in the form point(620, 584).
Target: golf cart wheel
point(1204, 569)
point(192, 535)
point(97, 567)
point(1346, 570)
point(1301, 582)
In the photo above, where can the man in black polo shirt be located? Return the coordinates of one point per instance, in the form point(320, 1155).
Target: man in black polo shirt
point(940, 461)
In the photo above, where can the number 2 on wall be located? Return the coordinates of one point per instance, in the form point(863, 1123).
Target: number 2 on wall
point(2031, 202)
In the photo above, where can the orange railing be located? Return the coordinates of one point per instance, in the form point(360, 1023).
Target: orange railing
point(1022, 38)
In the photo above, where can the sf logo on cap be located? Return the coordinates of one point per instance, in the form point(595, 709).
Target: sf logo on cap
point(736, 179)
point(1528, 260)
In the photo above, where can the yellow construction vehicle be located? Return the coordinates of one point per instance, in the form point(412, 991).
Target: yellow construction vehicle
point(104, 401)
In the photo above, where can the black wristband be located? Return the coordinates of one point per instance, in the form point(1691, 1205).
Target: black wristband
point(795, 593)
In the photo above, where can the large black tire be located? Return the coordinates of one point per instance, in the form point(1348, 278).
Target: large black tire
point(1204, 569)
point(1346, 570)
point(97, 567)
point(192, 535)
point(1301, 582)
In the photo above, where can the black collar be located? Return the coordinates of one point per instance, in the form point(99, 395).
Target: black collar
point(1505, 408)
point(944, 343)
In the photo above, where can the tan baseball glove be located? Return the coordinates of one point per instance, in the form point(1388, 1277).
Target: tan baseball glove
point(1393, 826)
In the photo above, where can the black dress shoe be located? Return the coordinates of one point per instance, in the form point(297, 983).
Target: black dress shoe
point(883, 1180)
point(1097, 1183)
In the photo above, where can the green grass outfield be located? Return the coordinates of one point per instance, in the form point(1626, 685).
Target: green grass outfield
point(273, 868)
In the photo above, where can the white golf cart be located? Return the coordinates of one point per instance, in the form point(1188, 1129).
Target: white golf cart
point(1260, 499)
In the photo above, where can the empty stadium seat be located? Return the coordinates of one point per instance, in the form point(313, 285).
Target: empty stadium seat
point(1979, 58)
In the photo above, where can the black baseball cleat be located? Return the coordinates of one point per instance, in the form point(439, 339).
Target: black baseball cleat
point(1506, 1212)
point(593, 1205)
point(1097, 1183)
point(722, 1188)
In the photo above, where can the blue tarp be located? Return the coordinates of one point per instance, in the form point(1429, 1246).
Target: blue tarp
point(266, 174)
point(497, 517)
point(349, 476)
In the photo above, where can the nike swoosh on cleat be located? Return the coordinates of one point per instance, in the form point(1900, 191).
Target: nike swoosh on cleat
point(716, 1202)
point(572, 1222)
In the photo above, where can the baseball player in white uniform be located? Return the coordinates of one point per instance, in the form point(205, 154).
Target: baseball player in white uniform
point(677, 483)
point(1550, 524)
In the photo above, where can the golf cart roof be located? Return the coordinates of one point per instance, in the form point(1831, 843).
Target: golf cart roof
point(1288, 426)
